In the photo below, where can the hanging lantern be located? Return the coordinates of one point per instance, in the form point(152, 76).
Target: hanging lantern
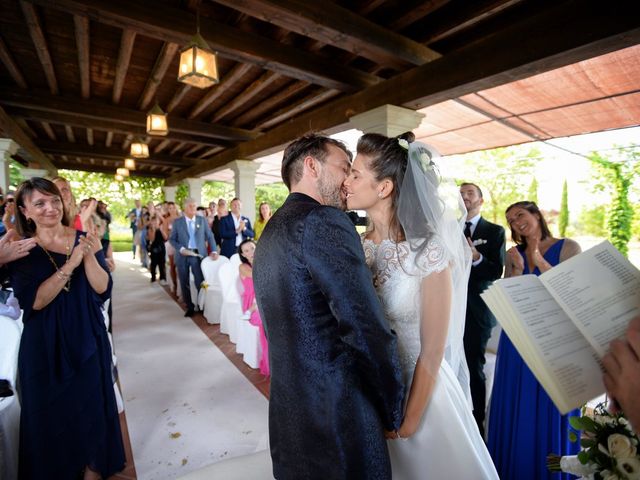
point(122, 171)
point(139, 149)
point(198, 65)
point(129, 164)
point(119, 178)
point(156, 122)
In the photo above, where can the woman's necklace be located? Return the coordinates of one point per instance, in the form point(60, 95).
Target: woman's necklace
point(67, 286)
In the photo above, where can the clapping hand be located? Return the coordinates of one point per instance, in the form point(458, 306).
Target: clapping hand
point(475, 254)
point(89, 243)
point(241, 225)
point(12, 249)
point(517, 262)
point(538, 259)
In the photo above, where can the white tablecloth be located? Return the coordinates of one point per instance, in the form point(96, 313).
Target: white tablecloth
point(10, 332)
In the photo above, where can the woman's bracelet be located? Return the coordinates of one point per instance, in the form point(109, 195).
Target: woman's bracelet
point(62, 275)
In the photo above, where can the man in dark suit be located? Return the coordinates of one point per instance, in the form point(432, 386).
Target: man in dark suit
point(234, 228)
point(190, 236)
point(487, 242)
point(335, 378)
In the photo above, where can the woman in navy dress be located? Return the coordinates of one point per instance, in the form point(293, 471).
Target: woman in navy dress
point(524, 425)
point(69, 422)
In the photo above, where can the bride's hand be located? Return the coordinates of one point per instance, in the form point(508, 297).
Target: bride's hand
point(391, 435)
point(407, 429)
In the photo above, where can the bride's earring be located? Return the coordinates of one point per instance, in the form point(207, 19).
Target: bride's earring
point(380, 194)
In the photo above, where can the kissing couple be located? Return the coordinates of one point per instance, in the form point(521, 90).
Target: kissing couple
point(368, 373)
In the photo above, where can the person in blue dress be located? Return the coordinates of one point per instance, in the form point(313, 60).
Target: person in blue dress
point(524, 424)
point(69, 424)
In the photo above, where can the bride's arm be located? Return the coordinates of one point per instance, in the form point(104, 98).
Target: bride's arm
point(434, 323)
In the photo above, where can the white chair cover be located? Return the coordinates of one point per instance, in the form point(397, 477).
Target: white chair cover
point(10, 333)
point(194, 288)
point(114, 360)
point(231, 309)
point(249, 343)
point(210, 299)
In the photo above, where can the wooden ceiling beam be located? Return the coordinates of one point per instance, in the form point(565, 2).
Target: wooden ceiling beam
point(127, 118)
point(70, 136)
point(416, 12)
point(48, 130)
point(107, 125)
point(248, 94)
point(162, 145)
point(536, 44)
point(37, 35)
point(9, 62)
point(155, 20)
point(297, 108)
point(108, 153)
point(85, 166)
point(82, 42)
point(124, 57)
point(229, 80)
point(334, 25)
point(282, 96)
point(177, 97)
point(13, 131)
point(108, 139)
point(90, 136)
point(163, 61)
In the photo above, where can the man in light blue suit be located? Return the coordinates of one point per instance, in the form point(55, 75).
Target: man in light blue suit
point(234, 228)
point(190, 236)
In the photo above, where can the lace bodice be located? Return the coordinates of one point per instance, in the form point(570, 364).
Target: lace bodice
point(397, 276)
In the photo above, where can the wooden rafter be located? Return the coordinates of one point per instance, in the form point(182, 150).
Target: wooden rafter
point(37, 35)
point(85, 164)
point(416, 12)
point(48, 130)
point(14, 71)
point(162, 145)
point(82, 43)
point(237, 72)
point(177, 26)
point(297, 108)
point(133, 120)
point(163, 61)
point(124, 57)
point(332, 24)
point(272, 102)
point(112, 153)
point(533, 45)
point(108, 139)
point(13, 131)
point(69, 131)
point(248, 94)
point(177, 97)
point(177, 148)
point(90, 136)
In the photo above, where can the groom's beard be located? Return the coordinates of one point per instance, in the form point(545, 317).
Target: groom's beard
point(331, 193)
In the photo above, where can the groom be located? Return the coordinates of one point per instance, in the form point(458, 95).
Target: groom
point(335, 377)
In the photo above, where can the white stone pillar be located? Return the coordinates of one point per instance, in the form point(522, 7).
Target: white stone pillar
point(169, 193)
point(244, 172)
point(388, 120)
point(29, 173)
point(195, 189)
point(8, 148)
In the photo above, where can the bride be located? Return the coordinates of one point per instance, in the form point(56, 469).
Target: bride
point(420, 262)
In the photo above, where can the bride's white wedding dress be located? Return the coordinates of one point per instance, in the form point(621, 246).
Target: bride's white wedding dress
point(447, 443)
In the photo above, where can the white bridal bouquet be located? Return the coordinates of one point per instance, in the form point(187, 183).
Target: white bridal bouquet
point(609, 448)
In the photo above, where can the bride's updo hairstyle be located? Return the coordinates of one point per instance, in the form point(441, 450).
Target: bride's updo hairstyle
point(388, 159)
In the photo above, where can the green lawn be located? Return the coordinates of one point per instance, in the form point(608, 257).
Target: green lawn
point(120, 241)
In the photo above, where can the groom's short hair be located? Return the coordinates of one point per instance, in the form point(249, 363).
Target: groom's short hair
point(309, 145)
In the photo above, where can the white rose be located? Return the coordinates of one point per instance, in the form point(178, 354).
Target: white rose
point(620, 446)
point(571, 464)
point(630, 467)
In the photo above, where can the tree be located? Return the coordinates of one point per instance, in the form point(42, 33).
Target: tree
point(563, 219)
point(274, 194)
point(533, 190)
point(616, 174)
point(503, 174)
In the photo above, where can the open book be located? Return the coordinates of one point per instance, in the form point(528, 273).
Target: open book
point(561, 322)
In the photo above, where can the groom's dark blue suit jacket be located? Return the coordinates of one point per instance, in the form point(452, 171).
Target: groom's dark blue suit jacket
point(335, 376)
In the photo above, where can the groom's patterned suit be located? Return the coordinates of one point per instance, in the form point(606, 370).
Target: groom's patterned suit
point(336, 381)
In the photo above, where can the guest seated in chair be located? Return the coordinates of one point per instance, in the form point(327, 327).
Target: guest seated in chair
point(246, 250)
point(234, 228)
point(189, 236)
point(69, 424)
